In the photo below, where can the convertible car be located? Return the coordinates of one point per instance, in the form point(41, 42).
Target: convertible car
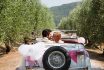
point(70, 55)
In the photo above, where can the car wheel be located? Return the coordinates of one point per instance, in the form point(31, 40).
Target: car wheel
point(56, 58)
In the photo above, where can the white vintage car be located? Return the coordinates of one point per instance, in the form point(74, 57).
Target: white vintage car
point(69, 55)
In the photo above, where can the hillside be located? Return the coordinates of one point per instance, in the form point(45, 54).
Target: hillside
point(62, 11)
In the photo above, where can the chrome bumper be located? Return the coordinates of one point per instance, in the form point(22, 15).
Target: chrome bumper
point(79, 68)
point(76, 68)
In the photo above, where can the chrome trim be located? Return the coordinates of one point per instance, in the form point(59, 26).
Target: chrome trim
point(84, 68)
point(74, 68)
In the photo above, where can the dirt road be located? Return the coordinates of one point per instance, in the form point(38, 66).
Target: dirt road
point(97, 59)
point(11, 60)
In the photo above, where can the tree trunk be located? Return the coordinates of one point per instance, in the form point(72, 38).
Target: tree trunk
point(103, 51)
point(8, 46)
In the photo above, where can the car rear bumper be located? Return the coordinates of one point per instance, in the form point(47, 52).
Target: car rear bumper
point(76, 68)
point(79, 68)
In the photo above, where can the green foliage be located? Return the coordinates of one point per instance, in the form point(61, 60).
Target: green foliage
point(62, 11)
point(89, 20)
point(70, 21)
point(18, 18)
